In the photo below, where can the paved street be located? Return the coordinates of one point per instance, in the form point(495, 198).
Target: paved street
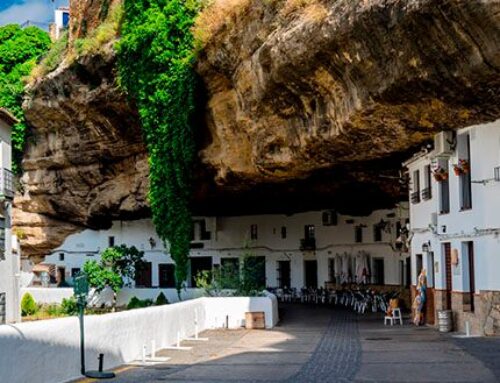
point(316, 344)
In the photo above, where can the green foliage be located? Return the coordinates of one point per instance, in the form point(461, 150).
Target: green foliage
point(53, 57)
point(136, 303)
point(155, 62)
point(117, 263)
point(19, 51)
point(69, 306)
point(229, 279)
point(28, 305)
point(161, 299)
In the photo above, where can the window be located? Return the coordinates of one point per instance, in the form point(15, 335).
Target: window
point(358, 234)
point(444, 189)
point(415, 195)
point(309, 232)
point(253, 232)
point(111, 241)
point(2, 238)
point(427, 191)
point(61, 256)
point(329, 218)
point(2, 308)
point(200, 232)
point(74, 271)
point(377, 233)
point(465, 175)
point(283, 232)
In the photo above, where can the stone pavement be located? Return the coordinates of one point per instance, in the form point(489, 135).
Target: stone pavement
point(320, 344)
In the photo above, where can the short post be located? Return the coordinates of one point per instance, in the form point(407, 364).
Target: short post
point(467, 328)
point(143, 353)
point(101, 362)
point(153, 349)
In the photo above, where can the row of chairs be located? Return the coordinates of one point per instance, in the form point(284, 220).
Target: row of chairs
point(358, 299)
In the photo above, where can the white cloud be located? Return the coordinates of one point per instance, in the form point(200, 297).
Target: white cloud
point(33, 10)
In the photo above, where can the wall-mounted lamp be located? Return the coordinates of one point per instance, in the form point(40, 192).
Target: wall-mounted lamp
point(426, 246)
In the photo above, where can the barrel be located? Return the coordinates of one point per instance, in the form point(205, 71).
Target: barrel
point(445, 321)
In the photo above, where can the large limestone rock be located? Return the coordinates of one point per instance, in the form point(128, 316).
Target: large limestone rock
point(310, 108)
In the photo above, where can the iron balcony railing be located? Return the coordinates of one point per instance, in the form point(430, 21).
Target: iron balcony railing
point(415, 197)
point(308, 244)
point(7, 183)
point(426, 194)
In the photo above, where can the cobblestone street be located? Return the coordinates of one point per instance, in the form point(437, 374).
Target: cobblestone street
point(316, 344)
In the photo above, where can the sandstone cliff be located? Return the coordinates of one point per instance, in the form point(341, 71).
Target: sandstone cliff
point(314, 107)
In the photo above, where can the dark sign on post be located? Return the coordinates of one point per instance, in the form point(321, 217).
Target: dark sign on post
point(81, 291)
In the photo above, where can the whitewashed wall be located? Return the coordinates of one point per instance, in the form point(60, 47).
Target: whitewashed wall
point(230, 234)
point(48, 351)
point(480, 224)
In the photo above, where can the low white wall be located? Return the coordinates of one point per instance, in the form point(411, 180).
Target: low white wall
point(48, 351)
point(56, 295)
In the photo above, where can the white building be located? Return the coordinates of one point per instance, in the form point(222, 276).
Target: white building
point(61, 22)
point(9, 262)
point(455, 223)
point(297, 250)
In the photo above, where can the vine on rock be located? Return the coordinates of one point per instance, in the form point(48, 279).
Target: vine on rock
point(155, 62)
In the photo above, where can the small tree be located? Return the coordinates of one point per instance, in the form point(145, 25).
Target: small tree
point(117, 263)
point(28, 305)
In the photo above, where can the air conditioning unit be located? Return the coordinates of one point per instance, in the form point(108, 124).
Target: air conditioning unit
point(444, 144)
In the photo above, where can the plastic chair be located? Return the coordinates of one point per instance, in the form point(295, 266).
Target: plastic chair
point(396, 315)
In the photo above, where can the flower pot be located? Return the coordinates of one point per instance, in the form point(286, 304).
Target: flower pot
point(438, 177)
point(458, 171)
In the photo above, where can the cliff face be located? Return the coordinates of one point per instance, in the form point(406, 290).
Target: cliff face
point(312, 108)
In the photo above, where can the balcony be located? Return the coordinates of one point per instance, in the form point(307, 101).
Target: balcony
point(427, 194)
point(7, 184)
point(415, 197)
point(308, 244)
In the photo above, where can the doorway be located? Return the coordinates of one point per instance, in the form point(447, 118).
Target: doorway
point(143, 275)
point(472, 282)
point(378, 271)
point(447, 264)
point(166, 274)
point(284, 277)
point(408, 272)
point(199, 264)
point(311, 273)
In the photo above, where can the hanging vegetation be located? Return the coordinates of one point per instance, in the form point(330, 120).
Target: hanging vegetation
point(155, 62)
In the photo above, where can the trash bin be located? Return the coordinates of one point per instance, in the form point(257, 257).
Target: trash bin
point(445, 320)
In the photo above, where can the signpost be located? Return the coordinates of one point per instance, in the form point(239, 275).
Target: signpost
point(81, 291)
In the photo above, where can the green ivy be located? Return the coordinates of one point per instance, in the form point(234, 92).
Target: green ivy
point(155, 61)
point(19, 51)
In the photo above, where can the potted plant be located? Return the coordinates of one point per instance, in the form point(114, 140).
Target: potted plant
point(463, 167)
point(440, 174)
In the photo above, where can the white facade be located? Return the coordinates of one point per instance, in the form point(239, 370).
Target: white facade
point(278, 238)
point(480, 223)
point(9, 262)
point(456, 229)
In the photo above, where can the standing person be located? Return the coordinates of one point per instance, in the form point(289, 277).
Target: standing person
point(422, 298)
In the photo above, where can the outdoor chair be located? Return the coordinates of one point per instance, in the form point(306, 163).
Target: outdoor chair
point(396, 315)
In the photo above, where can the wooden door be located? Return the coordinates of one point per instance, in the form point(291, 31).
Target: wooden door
point(472, 282)
point(166, 274)
point(143, 275)
point(447, 256)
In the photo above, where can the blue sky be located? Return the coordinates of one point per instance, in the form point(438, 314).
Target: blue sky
point(19, 11)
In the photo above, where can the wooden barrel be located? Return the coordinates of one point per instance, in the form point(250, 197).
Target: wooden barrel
point(445, 321)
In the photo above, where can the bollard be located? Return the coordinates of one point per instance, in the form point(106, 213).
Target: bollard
point(101, 362)
point(467, 328)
